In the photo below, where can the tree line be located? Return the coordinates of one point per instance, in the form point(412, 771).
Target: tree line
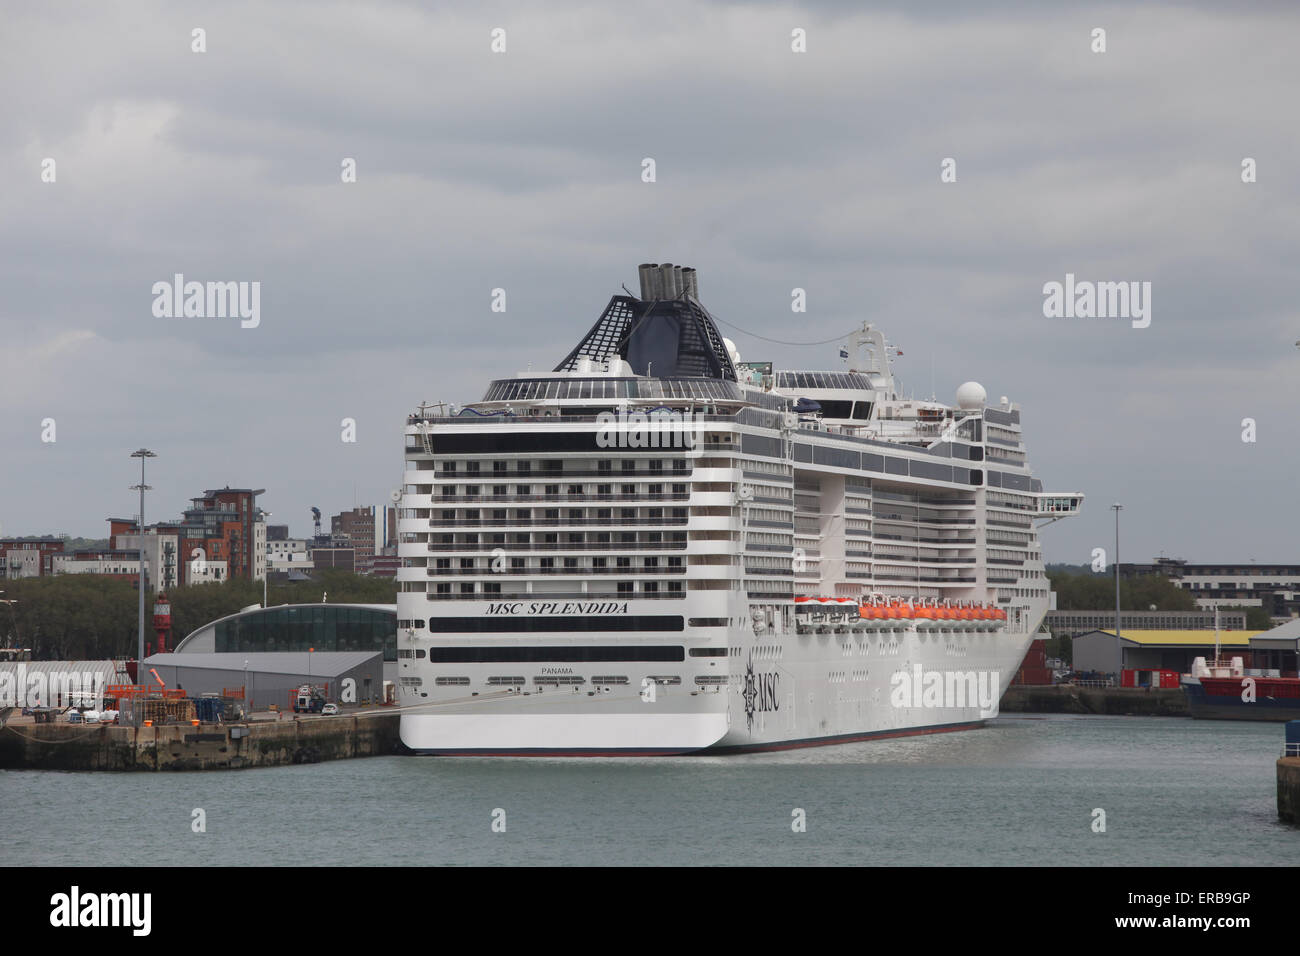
point(92, 617)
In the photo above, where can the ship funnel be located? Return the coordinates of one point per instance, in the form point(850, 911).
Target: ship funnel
point(689, 284)
point(649, 272)
point(668, 275)
point(667, 281)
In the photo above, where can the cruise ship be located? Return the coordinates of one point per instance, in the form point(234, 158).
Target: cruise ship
point(657, 548)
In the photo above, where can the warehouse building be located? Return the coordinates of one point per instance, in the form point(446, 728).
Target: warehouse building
point(272, 678)
point(1104, 653)
point(1278, 649)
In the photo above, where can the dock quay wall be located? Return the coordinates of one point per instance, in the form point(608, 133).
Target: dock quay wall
point(273, 743)
point(1288, 789)
point(1112, 701)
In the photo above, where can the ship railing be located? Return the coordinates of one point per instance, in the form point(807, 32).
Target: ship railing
point(1092, 683)
point(548, 477)
point(1291, 749)
point(538, 419)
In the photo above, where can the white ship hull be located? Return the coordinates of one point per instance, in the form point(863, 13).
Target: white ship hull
point(802, 691)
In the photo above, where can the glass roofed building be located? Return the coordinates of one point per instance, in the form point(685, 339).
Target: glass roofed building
point(301, 627)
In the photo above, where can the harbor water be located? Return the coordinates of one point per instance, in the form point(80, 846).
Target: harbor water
point(1025, 790)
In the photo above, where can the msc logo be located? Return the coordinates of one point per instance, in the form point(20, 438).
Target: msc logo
point(759, 693)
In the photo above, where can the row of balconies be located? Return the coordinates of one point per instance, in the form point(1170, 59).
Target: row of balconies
point(570, 497)
point(488, 547)
point(582, 570)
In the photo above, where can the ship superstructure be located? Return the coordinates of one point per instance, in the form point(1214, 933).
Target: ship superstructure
point(656, 548)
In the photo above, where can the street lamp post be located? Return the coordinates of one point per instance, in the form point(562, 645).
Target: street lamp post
point(1117, 508)
point(266, 568)
point(142, 454)
point(18, 638)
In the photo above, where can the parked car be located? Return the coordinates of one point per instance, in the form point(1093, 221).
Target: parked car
point(329, 709)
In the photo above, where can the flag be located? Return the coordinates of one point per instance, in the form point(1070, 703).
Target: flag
point(844, 353)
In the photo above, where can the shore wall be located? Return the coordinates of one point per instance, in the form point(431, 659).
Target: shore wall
point(1111, 701)
point(1288, 789)
point(206, 747)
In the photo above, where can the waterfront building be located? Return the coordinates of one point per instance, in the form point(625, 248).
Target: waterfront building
point(29, 557)
point(300, 628)
point(1102, 652)
point(1274, 587)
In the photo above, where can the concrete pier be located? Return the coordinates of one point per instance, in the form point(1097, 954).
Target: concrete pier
point(271, 743)
point(1288, 789)
point(1112, 701)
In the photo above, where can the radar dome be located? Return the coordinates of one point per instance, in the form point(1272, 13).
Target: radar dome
point(731, 350)
point(971, 395)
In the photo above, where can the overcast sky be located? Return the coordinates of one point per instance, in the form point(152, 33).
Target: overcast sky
point(522, 170)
